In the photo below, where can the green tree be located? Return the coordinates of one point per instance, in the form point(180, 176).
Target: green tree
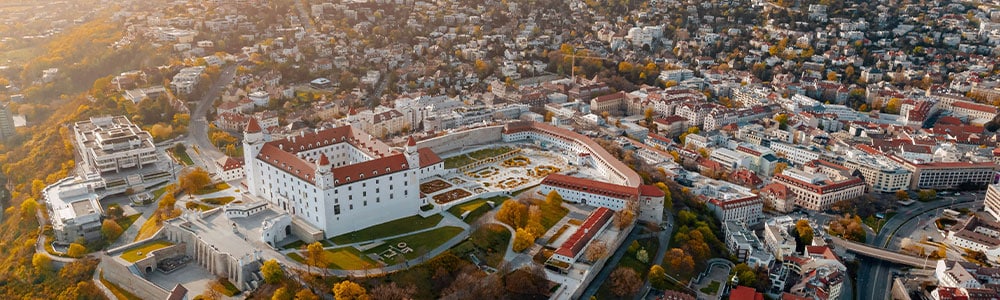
point(745, 274)
point(272, 272)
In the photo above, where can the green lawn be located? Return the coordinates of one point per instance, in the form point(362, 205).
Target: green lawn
point(183, 157)
point(127, 221)
point(420, 242)
point(875, 223)
point(228, 288)
point(294, 245)
point(487, 153)
point(457, 161)
point(212, 188)
point(477, 207)
point(219, 200)
point(344, 258)
point(711, 288)
point(159, 192)
point(133, 255)
point(387, 229)
point(551, 215)
point(488, 243)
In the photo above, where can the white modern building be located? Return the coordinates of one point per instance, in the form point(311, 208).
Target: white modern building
point(186, 80)
point(112, 144)
point(879, 173)
point(337, 180)
point(74, 210)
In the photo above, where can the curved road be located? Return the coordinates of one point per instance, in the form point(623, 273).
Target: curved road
point(874, 275)
point(198, 128)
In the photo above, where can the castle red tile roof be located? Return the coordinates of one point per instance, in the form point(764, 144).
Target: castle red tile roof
point(582, 236)
point(229, 163)
point(427, 157)
point(253, 126)
point(610, 97)
point(591, 186)
point(745, 293)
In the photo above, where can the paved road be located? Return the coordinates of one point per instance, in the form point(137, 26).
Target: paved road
point(874, 276)
point(198, 128)
point(611, 263)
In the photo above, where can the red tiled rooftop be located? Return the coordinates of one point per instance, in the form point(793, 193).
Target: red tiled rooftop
point(591, 186)
point(576, 242)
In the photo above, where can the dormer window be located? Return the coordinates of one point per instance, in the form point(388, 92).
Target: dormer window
point(387, 169)
point(374, 173)
point(362, 175)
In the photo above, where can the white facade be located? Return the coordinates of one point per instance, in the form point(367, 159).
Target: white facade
point(992, 201)
point(338, 180)
point(111, 144)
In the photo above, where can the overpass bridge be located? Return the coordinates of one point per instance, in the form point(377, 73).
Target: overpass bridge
point(883, 254)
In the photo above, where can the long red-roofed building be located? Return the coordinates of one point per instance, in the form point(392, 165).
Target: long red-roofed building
point(648, 198)
point(571, 249)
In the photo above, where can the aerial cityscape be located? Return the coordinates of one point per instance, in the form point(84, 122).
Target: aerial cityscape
point(511, 149)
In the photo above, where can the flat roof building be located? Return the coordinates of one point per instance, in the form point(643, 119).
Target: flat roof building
point(74, 210)
point(112, 144)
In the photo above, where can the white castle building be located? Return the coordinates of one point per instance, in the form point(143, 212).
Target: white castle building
point(337, 180)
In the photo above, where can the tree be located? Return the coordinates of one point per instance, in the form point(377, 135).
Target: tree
point(28, 209)
point(76, 250)
point(315, 257)
point(596, 250)
point(392, 291)
point(902, 195)
point(926, 195)
point(522, 239)
point(272, 272)
point(528, 280)
point(548, 116)
point(624, 282)
point(658, 277)
point(111, 230)
point(893, 106)
point(282, 293)
point(831, 76)
point(513, 213)
point(306, 294)
point(780, 167)
point(642, 255)
point(805, 231)
point(41, 262)
point(194, 181)
point(746, 275)
point(626, 216)
point(534, 225)
point(679, 261)
point(348, 290)
point(553, 199)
